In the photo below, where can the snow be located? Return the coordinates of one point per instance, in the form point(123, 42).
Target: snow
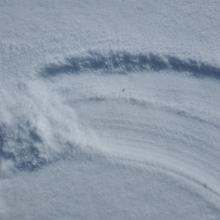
point(109, 109)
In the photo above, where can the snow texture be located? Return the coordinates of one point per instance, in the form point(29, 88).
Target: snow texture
point(109, 109)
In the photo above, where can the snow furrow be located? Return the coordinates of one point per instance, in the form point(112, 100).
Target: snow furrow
point(124, 62)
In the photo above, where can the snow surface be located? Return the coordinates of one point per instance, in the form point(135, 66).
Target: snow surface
point(109, 109)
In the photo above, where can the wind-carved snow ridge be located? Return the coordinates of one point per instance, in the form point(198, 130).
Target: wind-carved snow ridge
point(125, 62)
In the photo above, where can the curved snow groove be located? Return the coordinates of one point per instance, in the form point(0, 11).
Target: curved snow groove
point(124, 62)
point(177, 173)
point(26, 156)
point(21, 143)
point(147, 104)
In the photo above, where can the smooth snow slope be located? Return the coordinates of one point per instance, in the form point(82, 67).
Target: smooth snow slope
point(109, 109)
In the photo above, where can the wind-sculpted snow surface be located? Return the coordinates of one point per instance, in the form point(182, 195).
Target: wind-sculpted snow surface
point(125, 62)
point(109, 110)
point(23, 145)
point(84, 125)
